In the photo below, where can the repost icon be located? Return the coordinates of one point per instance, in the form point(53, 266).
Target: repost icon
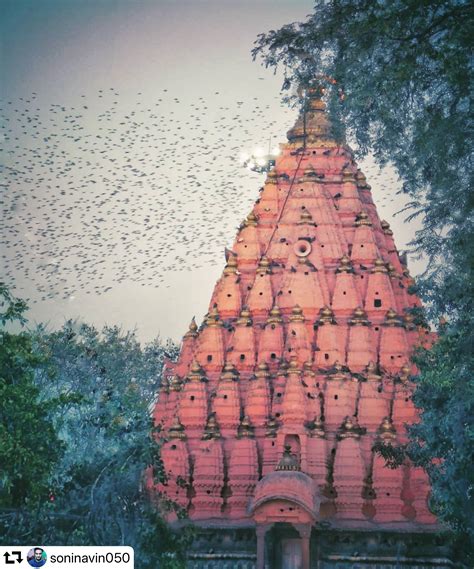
point(70, 557)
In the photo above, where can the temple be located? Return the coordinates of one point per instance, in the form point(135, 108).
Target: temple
point(269, 417)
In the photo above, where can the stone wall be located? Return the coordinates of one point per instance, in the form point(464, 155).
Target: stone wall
point(340, 562)
point(236, 549)
point(222, 561)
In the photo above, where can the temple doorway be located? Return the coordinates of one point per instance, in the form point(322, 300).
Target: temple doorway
point(284, 547)
point(291, 554)
point(284, 508)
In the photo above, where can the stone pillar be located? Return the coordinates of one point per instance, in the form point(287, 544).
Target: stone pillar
point(305, 533)
point(261, 531)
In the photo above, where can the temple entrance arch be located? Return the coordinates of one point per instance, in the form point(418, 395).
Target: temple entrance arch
point(285, 507)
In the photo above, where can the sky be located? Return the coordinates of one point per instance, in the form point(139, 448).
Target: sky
point(122, 123)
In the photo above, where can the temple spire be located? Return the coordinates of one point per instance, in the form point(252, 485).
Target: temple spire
point(313, 124)
point(305, 345)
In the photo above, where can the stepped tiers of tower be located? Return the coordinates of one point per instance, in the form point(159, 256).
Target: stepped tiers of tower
point(302, 364)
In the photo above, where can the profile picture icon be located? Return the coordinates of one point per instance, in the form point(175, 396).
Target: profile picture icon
point(36, 557)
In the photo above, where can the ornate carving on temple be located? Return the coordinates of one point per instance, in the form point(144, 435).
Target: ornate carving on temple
point(272, 427)
point(346, 294)
point(247, 243)
point(361, 180)
point(243, 471)
point(260, 298)
point(379, 266)
point(349, 428)
point(251, 220)
point(326, 316)
point(257, 406)
point(315, 127)
point(313, 279)
point(270, 448)
point(392, 271)
point(245, 428)
point(316, 427)
point(176, 430)
point(364, 244)
point(288, 461)
point(359, 317)
point(193, 401)
point(392, 318)
point(241, 349)
point(274, 316)
point(208, 480)
point(404, 374)
point(175, 383)
point(374, 398)
point(210, 348)
point(231, 265)
point(361, 347)
point(306, 218)
point(227, 297)
point(211, 429)
point(349, 470)
point(387, 432)
point(302, 286)
point(379, 296)
point(362, 218)
point(331, 340)
point(345, 265)
point(294, 411)
point(192, 331)
point(348, 175)
point(340, 399)
point(212, 318)
point(298, 341)
point(271, 343)
point(188, 348)
point(176, 470)
point(394, 349)
point(226, 403)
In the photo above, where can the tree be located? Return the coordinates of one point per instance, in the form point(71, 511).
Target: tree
point(76, 438)
point(109, 381)
point(398, 77)
point(29, 446)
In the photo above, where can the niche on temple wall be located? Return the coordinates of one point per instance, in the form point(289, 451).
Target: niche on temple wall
point(294, 442)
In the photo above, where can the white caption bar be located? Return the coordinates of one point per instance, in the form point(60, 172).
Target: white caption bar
point(72, 557)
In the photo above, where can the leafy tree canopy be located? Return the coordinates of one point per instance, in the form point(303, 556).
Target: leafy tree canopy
point(93, 445)
point(29, 446)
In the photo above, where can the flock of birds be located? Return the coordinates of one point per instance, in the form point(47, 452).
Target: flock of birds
point(114, 189)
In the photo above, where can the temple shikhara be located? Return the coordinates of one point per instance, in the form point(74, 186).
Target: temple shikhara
point(269, 417)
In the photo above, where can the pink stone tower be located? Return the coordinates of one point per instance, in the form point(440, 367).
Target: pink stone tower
point(302, 363)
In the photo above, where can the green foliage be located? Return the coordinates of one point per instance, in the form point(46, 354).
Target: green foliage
point(443, 441)
point(108, 433)
point(445, 395)
point(29, 446)
point(85, 484)
point(404, 69)
point(12, 309)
